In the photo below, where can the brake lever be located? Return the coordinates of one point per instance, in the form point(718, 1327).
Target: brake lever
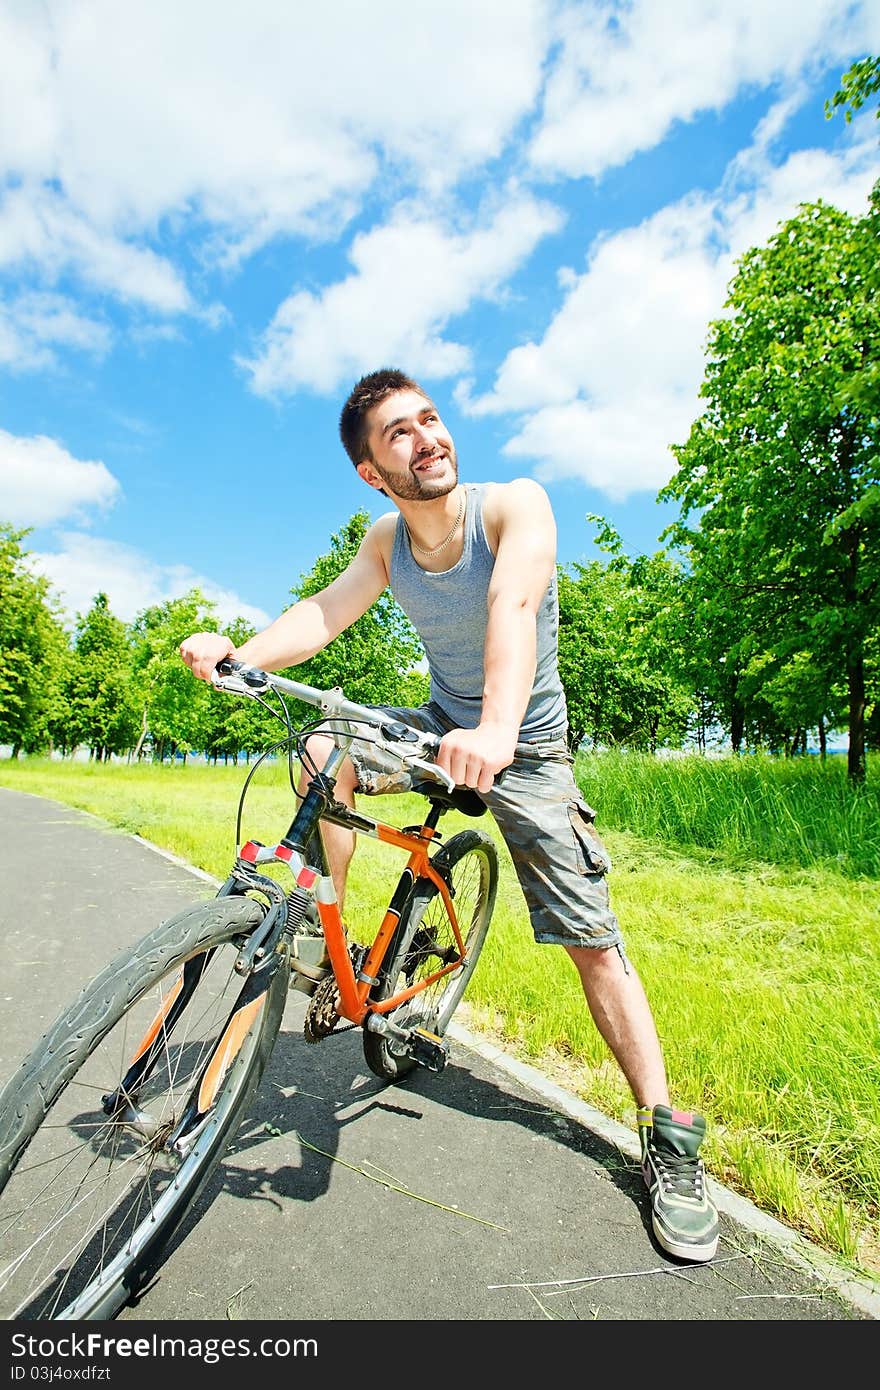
point(437, 774)
point(238, 678)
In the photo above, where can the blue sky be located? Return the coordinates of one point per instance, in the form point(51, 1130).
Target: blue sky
point(215, 216)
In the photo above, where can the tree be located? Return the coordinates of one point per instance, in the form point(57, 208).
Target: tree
point(32, 649)
point(101, 704)
point(175, 709)
point(857, 85)
point(620, 644)
point(374, 659)
point(783, 466)
point(239, 725)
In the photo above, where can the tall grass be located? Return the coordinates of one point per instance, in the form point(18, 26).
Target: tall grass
point(795, 811)
point(759, 948)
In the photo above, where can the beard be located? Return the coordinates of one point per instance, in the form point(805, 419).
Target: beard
point(411, 487)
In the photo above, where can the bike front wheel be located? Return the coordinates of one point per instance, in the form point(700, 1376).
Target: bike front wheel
point(94, 1174)
point(425, 940)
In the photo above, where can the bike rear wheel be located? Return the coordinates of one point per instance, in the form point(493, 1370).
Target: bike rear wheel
point(90, 1190)
point(425, 939)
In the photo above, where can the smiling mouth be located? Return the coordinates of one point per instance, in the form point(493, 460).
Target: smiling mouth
point(432, 462)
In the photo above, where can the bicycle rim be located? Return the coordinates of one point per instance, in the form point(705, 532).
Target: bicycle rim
point(91, 1199)
point(426, 941)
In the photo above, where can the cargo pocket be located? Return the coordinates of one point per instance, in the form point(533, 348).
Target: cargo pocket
point(592, 856)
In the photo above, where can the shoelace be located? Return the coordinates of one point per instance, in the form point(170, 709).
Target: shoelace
point(679, 1173)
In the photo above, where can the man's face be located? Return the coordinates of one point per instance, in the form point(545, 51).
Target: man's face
point(412, 454)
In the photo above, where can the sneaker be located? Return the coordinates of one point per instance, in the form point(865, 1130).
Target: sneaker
point(685, 1221)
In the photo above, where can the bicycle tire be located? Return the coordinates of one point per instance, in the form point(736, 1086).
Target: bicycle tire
point(89, 1200)
point(424, 933)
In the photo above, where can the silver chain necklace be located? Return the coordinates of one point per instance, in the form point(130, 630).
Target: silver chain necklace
point(443, 544)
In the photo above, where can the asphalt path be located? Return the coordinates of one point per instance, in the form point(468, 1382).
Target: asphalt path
point(483, 1193)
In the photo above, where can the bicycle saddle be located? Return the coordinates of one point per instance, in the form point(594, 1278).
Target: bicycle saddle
point(462, 799)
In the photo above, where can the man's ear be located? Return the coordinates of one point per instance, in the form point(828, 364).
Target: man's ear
point(366, 471)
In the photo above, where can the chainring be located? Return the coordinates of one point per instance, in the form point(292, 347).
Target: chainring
point(321, 1016)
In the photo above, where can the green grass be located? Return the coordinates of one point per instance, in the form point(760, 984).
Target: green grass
point(756, 934)
point(793, 811)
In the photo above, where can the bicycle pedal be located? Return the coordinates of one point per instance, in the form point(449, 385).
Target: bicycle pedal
point(428, 1049)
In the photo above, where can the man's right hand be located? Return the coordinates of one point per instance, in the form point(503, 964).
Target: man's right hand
point(203, 650)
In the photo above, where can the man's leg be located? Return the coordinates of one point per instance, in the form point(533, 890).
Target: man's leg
point(619, 1006)
point(683, 1216)
point(338, 842)
point(562, 865)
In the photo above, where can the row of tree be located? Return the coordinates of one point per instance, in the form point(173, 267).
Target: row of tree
point(637, 670)
point(760, 622)
point(122, 689)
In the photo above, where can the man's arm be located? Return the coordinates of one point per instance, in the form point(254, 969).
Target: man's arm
point(307, 626)
point(524, 562)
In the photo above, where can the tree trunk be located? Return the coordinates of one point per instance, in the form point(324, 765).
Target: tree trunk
point(823, 742)
point(140, 743)
point(737, 723)
point(855, 678)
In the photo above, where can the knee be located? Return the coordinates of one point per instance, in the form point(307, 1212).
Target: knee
point(597, 962)
point(316, 750)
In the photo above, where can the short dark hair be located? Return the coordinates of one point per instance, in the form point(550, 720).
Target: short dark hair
point(369, 391)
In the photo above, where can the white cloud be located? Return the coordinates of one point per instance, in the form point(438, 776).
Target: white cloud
point(33, 324)
point(85, 566)
point(241, 122)
point(410, 277)
point(41, 483)
point(615, 379)
point(39, 229)
point(626, 73)
point(608, 446)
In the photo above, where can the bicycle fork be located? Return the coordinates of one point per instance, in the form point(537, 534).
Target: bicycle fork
point(121, 1104)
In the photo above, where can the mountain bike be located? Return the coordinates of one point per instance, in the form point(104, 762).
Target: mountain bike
point(111, 1127)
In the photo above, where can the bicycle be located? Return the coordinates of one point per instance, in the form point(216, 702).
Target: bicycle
point(111, 1127)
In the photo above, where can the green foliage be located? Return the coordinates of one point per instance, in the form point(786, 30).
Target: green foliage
point(857, 84)
point(794, 812)
point(621, 649)
point(33, 647)
point(375, 660)
point(176, 708)
point(100, 701)
point(238, 726)
point(782, 469)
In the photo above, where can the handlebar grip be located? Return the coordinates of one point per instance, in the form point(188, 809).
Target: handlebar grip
point(248, 677)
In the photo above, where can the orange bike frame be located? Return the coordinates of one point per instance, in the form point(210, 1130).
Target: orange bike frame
point(354, 989)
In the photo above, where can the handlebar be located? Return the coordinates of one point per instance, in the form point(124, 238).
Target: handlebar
point(411, 746)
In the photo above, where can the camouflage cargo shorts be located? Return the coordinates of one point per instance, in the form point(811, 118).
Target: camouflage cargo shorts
point(559, 858)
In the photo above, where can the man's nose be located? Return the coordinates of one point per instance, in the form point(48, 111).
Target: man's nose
point(424, 438)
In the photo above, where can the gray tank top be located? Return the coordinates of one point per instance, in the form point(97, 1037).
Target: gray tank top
point(448, 610)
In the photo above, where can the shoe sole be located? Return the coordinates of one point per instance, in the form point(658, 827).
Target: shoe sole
point(697, 1254)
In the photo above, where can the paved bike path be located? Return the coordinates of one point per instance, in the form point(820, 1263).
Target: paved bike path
point(484, 1193)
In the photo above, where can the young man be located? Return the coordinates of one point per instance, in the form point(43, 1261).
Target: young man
point(474, 568)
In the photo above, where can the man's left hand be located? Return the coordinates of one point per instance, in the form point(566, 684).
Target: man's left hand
point(474, 757)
